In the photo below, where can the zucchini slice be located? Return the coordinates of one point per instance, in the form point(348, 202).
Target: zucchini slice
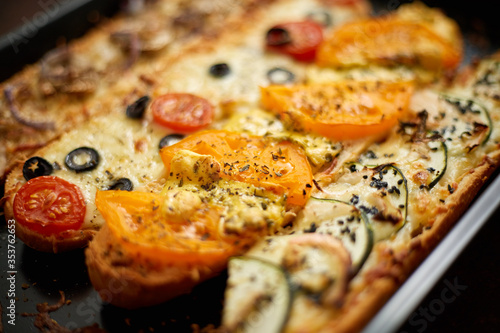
point(319, 266)
point(342, 221)
point(465, 120)
point(258, 296)
point(437, 162)
point(380, 192)
point(428, 157)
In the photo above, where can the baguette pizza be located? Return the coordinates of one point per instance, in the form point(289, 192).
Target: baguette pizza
point(315, 152)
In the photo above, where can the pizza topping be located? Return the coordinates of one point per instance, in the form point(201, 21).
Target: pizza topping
point(82, 159)
point(319, 150)
point(470, 122)
point(143, 224)
point(220, 70)
point(345, 2)
point(382, 195)
point(388, 41)
point(319, 265)
point(372, 41)
point(296, 39)
point(198, 217)
point(122, 184)
point(258, 296)
point(278, 36)
point(278, 75)
point(136, 109)
point(49, 205)
point(432, 154)
point(151, 37)
point(182, 112)
point(247, 207)
point(266, 159)
point(59, 72)
point(422, 153)
point(490, 75)
point(341, 220)
point(170, 139)
point(36, 166)
point(340, 110)
point(488, 80)
point(16, 114)
point(265, 284)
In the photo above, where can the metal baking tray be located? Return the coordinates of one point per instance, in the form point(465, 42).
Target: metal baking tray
point(42, 26)
point(40, 276)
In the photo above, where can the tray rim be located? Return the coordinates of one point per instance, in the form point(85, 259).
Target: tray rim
point(65, 9)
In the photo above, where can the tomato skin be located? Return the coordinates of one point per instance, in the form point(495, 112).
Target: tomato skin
point(342, 110)
point(49, 205)
point(136, 221)
point(182, 112)
point(300, 40)
point(388, 41)
point(281, 167)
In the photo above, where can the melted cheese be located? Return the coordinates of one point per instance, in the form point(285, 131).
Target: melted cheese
point(195, 178)
point(319, 150)
point(127, 148)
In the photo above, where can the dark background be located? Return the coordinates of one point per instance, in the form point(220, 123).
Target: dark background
point(40, 276)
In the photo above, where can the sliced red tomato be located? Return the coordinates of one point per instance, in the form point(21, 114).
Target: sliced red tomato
point(388, 41)
point(49, 205)
point(278, 166)
point(137, 221)
point(300, 40)
point(182, 112)
point(340, 110)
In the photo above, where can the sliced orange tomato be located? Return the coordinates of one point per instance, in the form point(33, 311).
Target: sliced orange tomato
point(340, 110)
point(388, 41)
point(278, 166)
point(300, 40)
point(49, 205)
point(182, 112)
point(137, 221)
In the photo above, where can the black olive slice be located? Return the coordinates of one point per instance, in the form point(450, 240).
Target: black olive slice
point(279, 75)
point(170, 140)
point(82, 159)
point(220, 70)
point(122, 184)
point(321, 17)
point(278, 37)
point(36, 167)
point(136, 109)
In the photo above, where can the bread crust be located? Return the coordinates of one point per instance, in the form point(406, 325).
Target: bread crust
point(131, 284)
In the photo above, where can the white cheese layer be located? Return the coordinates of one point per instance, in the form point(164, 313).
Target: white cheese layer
point(127, 149)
